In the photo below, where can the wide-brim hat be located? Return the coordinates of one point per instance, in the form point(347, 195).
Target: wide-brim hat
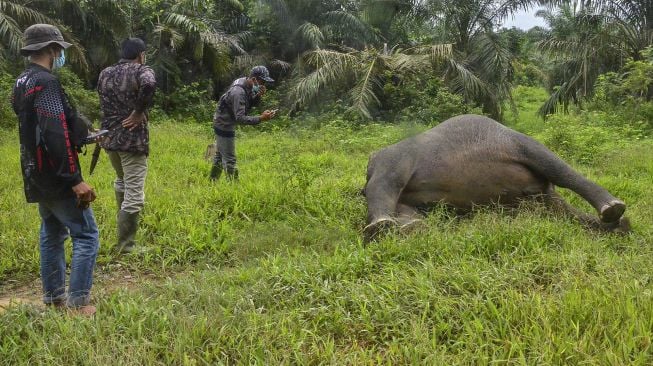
point(38, 36)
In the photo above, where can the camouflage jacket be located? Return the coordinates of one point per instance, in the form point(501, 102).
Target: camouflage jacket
point(123, 88)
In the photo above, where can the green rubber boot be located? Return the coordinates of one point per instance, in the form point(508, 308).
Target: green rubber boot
point(127, 227)
point(120, 197)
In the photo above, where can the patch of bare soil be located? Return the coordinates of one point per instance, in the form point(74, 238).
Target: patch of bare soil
point(107, 279)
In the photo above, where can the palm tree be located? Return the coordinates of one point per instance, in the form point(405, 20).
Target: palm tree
point(360, 74)
point(605, 34)
point(588, 38)
point(16, 15)
point(191, 34)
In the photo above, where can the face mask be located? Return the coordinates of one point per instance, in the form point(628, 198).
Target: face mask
point(59, 61)
point(256, 88)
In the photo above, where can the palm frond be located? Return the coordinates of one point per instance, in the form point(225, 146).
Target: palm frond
point(243, 63)
point(166, 34)
point(183, 23)
point(330, 68)
point(12, 16)
point(10, 33)
point(311, 34)
point(464, 81)
point(363, 95)
point(560, 97)
point(280, 10)
point(284, 66)
point(350, 26)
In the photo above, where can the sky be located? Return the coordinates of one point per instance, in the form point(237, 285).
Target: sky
point(524, 20)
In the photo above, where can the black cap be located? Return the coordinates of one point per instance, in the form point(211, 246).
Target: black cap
point(38, 36)
point(262, 73)
point(131, 48)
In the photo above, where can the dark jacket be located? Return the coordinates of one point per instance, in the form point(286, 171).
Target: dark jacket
point(233, 107)
point(48, 156)
point(123, 88)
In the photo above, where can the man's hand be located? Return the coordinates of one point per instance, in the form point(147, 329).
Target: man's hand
point(267, 115)
point(85, 194)
point(134, 120)
point(261, 91)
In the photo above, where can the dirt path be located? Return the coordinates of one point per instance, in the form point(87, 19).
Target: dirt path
point(107, 279)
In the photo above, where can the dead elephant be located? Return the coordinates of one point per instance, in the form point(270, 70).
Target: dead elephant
point(473, 160)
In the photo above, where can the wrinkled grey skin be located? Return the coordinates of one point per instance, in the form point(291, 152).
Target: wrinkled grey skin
point(473, 160)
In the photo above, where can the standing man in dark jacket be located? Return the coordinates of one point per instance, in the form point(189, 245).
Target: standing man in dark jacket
point(51, 171)
point(243, 94)
point(126, 90)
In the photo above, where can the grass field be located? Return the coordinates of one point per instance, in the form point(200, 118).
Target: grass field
point(273, 270)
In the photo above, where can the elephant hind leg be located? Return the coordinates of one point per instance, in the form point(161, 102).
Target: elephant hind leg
point(612, 211)
point(621, 224)
point(545, 163)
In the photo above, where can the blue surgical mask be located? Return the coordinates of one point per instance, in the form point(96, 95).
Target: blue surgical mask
point(59, 61)
point(256, 88)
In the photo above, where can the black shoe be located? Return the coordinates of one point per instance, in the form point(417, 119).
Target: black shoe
point(216, 171)
point(232, 175)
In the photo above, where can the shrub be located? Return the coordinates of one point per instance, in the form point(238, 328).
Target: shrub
point(627, 94)
point(528, 75)
point(86, 101)
point(7, 116)
point(192, 100)
point(421, 100)
point(585, 135)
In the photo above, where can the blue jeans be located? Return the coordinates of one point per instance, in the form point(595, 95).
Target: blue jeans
point(60, 219)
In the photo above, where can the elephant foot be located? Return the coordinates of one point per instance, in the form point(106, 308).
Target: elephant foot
point(371, 231)
point(408, 225)
point(621, 226)
point(613, 211)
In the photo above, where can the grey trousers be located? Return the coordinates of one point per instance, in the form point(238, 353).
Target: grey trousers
point(131, 170)
point(225, 155)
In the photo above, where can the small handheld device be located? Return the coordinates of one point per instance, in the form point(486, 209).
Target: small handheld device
point(93, 137)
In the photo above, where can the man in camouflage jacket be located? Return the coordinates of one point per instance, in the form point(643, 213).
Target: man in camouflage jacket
point(126, 90)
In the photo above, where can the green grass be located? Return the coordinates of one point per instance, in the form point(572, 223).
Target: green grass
point(273, 270)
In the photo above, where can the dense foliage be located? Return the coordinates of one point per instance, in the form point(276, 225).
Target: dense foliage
point(347, 51)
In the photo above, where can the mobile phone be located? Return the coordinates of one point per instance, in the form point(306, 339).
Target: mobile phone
point(92, 138)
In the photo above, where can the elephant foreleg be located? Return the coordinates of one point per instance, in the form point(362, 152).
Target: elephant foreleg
point(407, 217)
point(382, 197)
